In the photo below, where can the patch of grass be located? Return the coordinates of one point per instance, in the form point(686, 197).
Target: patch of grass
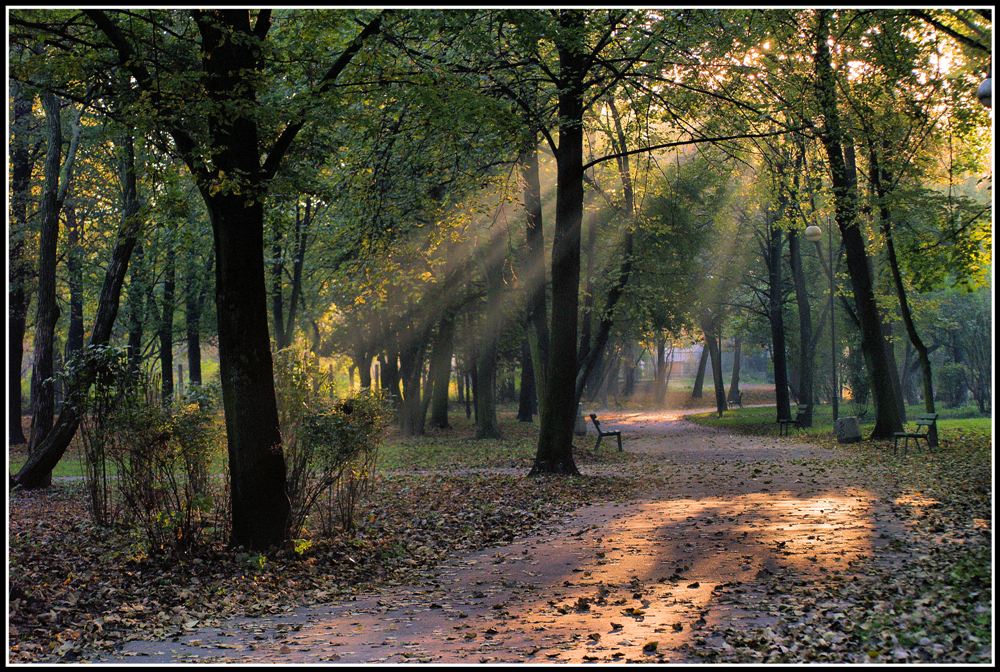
point(760, 420)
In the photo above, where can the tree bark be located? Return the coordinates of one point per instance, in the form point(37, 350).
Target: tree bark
point(555, 438)
point(712, 343)
point(734, 379)
point(807, 353)
point(698, 390)
point(37, 471)
point(444, 347)
point(887, 418)
point(165, 330)
point(74, 263)
point(47, 310)
point(526, 402)
point(777, 321)
point(195, 294)
point(537, 308)
point(20, 271)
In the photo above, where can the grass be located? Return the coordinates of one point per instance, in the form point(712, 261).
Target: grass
point(761, 420)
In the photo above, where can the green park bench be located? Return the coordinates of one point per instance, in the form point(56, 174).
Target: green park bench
point(784, 423)
point(926, 425)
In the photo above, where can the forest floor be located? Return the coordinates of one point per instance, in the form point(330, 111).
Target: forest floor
point(696, 544)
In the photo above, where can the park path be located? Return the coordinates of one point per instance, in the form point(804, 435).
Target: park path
point(641, 580)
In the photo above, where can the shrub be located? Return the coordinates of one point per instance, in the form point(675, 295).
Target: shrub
point(330, 445)
point(146, 466)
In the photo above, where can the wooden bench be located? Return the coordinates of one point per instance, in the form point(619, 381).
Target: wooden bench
point(601, 433)
point(783, 423)
point(926, 422)
point(736, 399)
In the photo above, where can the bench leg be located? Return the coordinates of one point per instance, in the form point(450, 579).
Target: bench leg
point(619, 437)
point(599, 437)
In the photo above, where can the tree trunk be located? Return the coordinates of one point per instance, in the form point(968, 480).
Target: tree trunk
point(715, 354)
point(390, 376)
point(777, 321)
point(37, 471)
point(74, 263)
point(165, 331)
point(555, 437)
point(699, 379)
point(526, 402)
point(537, 309)
point(19, 299)
point(660, 373)
point(412, 347)
point(444, 347)
point(277, 298)
point(195, 294)
point(47, 310)
point(260, 507)
point(734, 379)
point(887, 418)
point(807, 354)
point(880, 181)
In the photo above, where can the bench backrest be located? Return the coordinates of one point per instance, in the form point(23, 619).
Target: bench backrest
point(927, 419)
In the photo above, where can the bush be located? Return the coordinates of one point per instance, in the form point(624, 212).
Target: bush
point(330, 445)
point(146, 465)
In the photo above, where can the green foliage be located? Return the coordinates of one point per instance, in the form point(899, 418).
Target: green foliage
point(331, 445)
point(146, 465)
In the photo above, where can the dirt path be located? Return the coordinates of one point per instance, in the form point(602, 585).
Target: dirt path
point(612, 582)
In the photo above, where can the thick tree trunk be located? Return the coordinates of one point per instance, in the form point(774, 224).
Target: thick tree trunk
point(195, 294)
point(47, 310)
point(555, 437)
point(412, 410)
point(19, 299)
point(807, 353)
point(628, 388)
point(37, 471)
point(777, 322)
point(887, 418)
point(260, 507)
point(699, 379)
point(444, 347)
point(526, 402)
point(390, 376)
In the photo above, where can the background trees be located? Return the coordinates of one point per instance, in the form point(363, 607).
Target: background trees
point(414, 194)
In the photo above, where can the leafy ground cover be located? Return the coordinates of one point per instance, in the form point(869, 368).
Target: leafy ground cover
point(70, 605)
point(925, 596)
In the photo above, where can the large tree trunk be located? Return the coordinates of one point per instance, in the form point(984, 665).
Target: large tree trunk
point(19, 299)
point(887, 418)
point(412, 410)
point(444, 346)
point(807, 353)
point(558, 416)
point(260, 507)
point(47, 310)
point(777, 321)
point(37, 471)
point(136, 305)
point(526, 402)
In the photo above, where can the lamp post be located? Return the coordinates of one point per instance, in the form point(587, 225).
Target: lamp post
point(813, 234)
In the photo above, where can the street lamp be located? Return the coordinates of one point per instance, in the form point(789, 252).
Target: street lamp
point(813, 234)
point(985, 92)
